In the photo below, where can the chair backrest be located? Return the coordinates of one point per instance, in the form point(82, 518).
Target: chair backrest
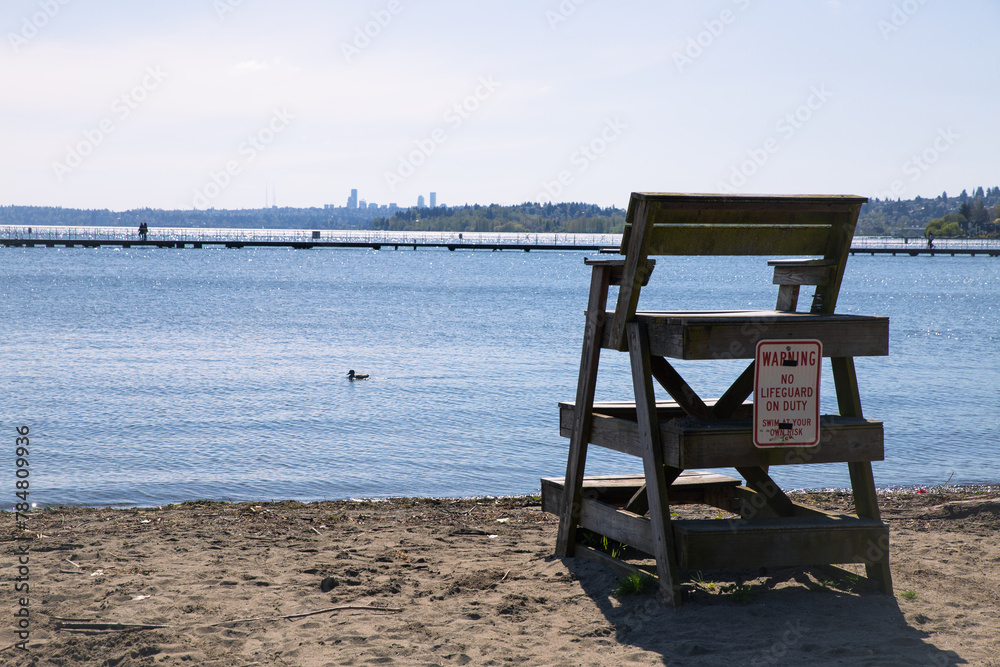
point(691, 224)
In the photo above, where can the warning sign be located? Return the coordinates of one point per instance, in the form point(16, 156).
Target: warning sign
point(786, 393)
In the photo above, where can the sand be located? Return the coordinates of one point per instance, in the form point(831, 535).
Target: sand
point(456, 582)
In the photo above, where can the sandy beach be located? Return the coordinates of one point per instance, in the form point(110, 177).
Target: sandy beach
point(473, 581)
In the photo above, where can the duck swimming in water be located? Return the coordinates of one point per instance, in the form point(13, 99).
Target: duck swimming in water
point(351, 375)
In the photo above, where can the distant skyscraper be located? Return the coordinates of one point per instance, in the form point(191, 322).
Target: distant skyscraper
point(434, 200)
point(420, 201)
point(352, 201)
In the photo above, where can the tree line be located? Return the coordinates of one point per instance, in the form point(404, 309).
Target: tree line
point(975, 215)
point(572, 217)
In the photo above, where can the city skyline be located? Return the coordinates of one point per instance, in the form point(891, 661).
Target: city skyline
point(187, 106)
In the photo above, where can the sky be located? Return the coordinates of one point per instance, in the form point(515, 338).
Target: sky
point(115, 104)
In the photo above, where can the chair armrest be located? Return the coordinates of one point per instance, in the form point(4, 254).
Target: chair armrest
point(802, 271)
point(618, 267)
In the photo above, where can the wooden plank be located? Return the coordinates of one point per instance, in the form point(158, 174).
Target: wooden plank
point(689, 488)
point(628, 293)
point(758, 480)
point(621, 567)
point(665, 410)
point(586, 385)
point(639, 502)
point(617, 267)
point(692, 486)
point(738, 543)
point(753, 505)
point(796, 273)
point(678, 389)
point(617, 524)
point(620, 435)
point(766, 205)
point(734, 335)
point(862, 481)
point(736, 396)
point(837, 252)
point(689, 444)
point(739, 239)
point(749, 210)
point(800, 262)
point(788, 298)
point(614, 490)
point(652, 463)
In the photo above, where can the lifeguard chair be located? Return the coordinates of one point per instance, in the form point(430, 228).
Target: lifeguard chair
point(814, 235)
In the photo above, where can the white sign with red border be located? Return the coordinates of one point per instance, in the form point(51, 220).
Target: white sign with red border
point(786, 393)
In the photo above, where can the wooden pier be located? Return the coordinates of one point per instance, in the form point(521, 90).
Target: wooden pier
point(915, 252)
point(99, 237)
point(117, 237)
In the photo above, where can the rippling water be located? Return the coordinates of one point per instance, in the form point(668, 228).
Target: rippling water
point(152, 376)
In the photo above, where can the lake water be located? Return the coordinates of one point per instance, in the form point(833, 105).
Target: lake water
point(150, 376)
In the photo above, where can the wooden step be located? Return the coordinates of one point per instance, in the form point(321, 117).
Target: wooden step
point(738, 543)
point(691, 443)
point(812, 538)
point(664, 409)
point(691, 487)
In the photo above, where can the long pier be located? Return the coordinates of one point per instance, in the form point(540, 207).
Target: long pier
point(96, 237)
point(875, 245)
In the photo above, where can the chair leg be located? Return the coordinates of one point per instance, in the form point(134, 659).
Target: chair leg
point(652, 460)
point(862, 480)
point(583, 412)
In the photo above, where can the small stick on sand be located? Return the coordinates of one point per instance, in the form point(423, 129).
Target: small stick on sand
point(72, 563)
point(76, 625)
point(391, 610)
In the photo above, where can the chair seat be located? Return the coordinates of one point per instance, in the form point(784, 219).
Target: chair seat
point(733, 334)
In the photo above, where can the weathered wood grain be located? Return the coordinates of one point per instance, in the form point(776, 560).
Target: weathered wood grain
point(735, 334)
point(690, 443)
point(740, 543)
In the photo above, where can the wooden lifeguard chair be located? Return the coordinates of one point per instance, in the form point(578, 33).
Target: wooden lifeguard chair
point(690, 433)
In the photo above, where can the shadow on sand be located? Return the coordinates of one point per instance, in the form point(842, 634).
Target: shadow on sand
point(786, 618)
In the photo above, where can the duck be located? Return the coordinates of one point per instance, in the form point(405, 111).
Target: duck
point(351, 375)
